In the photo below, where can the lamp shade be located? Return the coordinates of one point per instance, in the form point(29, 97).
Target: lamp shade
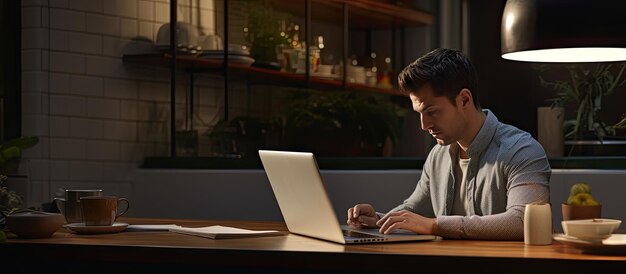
point(564, 30)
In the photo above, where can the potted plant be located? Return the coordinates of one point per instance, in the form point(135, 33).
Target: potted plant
point(340, 124)
point(586, 88)
point(581, 204)
point(620, 127)
point(10, 157)
point(263, 33)
point(237, 138)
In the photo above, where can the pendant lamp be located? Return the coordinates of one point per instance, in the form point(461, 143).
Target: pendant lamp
point(564, 31)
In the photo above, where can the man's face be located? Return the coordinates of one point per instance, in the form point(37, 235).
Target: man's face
point(439, 117)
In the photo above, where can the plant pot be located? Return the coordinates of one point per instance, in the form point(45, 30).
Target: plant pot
point(550, 130)
point(579, 212)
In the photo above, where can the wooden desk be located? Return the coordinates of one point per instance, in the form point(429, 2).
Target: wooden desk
point(160, 251)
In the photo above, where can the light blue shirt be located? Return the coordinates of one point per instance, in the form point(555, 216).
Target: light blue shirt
point(507, 170)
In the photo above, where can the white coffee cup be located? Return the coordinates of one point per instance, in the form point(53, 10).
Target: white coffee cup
point(538, 224)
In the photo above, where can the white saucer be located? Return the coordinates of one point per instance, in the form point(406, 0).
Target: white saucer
point(81, 228)
point(616, 243)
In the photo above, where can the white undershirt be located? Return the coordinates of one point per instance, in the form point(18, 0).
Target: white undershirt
point(459, 206)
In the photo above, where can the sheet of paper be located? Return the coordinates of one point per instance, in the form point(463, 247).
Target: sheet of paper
point(218, 232)
point(166, 227)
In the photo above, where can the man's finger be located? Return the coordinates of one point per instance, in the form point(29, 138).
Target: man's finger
point(384, 218)
point(394, 218)
point(366, 220)
point(393, 227)
point(356, 212)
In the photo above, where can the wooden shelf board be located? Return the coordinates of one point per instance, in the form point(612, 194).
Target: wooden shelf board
point(363, 13)
point(252, 74)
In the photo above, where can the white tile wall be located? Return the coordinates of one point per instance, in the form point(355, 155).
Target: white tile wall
point(31, 59)
point(31, 17)
point(128, 110)
point(104, 66)
point(97, 117)
point(155, 91)
point(59, 83)
point(39, 169)
point(89, 6)
point(59, 127)
point(68, 105)
point(84, 43)
point(103, 108)
point(129, 28)
point(55, 3)
point(103, 24)
point(146, 10)
point(59, 170)
point(66, 19)
point(86, 86)
point(36, 124)
point(103, 150)
point(68, 149)
point(162, 12)
point(27, 3)
point(120, 88)
point(86, 128)
point(31, 103)
point(39, 151)
point(59, 40)
point(120, 130)
point(146, 30)
point(122, 8)
point(67, 62)
point(34, 38)
point(34, 81)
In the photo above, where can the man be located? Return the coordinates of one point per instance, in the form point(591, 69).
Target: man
point(479, 176)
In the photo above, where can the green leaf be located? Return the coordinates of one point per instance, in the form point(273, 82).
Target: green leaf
point(22, 143)
point(11, 152)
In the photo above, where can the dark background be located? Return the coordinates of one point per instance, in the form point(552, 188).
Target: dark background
point(511, 89)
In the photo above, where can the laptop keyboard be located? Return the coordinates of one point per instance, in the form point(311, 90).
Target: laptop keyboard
point(355, 234)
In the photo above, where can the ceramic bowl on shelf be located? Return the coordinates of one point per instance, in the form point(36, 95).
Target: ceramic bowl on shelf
point(186, 35)
point(34, 224)
point(590, 229)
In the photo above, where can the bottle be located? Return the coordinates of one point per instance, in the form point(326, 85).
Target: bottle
point(314, 55)
point(384, 77)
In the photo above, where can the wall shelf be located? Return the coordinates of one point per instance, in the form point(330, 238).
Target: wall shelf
point(253, 75)
point(364, 14)
point(345, 15)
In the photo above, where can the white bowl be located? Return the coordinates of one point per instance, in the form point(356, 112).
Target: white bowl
point(186, 34)
point(590, 229)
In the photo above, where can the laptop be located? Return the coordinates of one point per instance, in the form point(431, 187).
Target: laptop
point(306, 208)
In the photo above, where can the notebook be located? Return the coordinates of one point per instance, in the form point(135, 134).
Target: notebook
point(304, 203)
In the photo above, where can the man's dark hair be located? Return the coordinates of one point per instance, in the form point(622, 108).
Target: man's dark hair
point(446, 70)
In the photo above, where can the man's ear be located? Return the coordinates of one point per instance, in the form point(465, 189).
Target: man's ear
point(466, 98)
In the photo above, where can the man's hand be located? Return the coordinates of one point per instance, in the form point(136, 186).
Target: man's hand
point(362, 215)
point(408, 220)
